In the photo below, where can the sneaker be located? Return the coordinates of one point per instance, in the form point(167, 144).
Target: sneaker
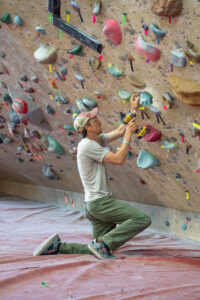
point(49, 246)
point(100, 250)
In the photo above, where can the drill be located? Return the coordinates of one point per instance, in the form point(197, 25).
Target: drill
point(142, 131)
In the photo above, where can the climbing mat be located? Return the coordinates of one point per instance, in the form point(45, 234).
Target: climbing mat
point(150, 266)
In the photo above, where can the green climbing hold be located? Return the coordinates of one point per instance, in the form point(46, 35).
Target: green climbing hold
point(146, 160)
point(146, 99)
point(69, 127)
point(124, 95)
point(49, 110)
point(169, 145)
point(114, 70)
point(76, 50)
point(6, 18)
point(54, 146)
point(6, 98)
point(61, 100)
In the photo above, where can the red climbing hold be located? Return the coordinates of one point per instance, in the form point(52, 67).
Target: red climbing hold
point(112, 31)
point(20, 106)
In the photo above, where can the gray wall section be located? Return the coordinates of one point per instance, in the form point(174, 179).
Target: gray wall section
point(75, 200)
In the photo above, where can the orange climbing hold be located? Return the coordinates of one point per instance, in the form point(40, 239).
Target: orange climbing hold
point(52, 83)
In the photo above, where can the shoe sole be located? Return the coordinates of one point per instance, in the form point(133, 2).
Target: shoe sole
point(44, 245)
point(95, 253)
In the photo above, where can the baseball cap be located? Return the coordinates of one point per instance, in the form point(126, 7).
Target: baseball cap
point(82, 119)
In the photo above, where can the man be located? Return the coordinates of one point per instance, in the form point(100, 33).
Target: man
point(113, 222)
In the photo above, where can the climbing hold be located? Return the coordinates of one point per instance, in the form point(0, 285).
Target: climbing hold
point(170, 8)
point(75, 113)
point(94, 62)
point(69, 127)
point(35, 134)
point(124, 95)
point(45, 54)
point(146, 160)
point(2, 119)
point(18, 21)
point(157, 31)
point(96, 7)
point(61, 100)
point(3, 85)
point(40, 29)
point(136, 83)
point(63, 70)
point(3, 69)
point(178, 176)
point(185, 90)
point(77, 50)
point(145, 27)
point(178, 59)
point(191, 51)
point(79, 77)
point(58, 76)
point(24, 77)
point(49, 110)
point(80, 105)
point(169, 145)
point(114, 70)
point(188, 146)
point(167, 223)
point(14, 116)
point(34, 79)
point(6, 18)
point(184, 226)
point(196, 126)
point(112, 31)
point(49, 172)
point(129, 155)
point(54, 146)
point(29, 90)
point(77, 8)
point(148, 50)
point(52, 83)
point(7, 99)
point(157, 112)
point(122, 115)
point(146, 99)
point(168, 100)
point(5, 139)
point(153, 134)
point(20, 106)
point(89, 103)
point(2, 54)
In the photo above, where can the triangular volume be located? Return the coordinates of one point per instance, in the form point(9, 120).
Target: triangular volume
point(33, 113)
point(37, 118)
point(146, 160)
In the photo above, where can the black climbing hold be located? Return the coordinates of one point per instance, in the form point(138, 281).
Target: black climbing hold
point(49, 172)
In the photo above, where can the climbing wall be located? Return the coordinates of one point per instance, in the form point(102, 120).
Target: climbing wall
point(174, 183)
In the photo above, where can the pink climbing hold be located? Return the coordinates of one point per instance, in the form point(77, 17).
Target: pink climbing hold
point(112, 31)
point(20, 106)
point(148, 50)
point(153, 135)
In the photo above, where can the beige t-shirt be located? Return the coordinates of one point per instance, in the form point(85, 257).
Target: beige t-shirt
point(91, 168)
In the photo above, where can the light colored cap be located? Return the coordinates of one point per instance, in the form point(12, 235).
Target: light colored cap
point(82, 119)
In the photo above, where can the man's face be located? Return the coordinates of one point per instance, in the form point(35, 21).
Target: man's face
point(94, 125)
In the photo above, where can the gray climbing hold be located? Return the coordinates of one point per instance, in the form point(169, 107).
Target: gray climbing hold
point(2, 119)
point(35, 134)
point(178, 59)
point(94, 62)
point(168, 100)
point(45, 54)
point(89, 103)
point(124, 95)
point(3, 69)
point(14, 116)
point(79, 77)
point(96, 7)
point(157, 31)
point(146, 160)
point(155, 110)
point(80, 105)
point(5, 139)
point(24, 77)
point(18, 21)
point(61, 100)
point(58, 76)
point(49, 172)
point(169, 145)
point(11, 125)
point(40, 29)
point(34, 78)
point(3, 85)
point(146, 99)
point(63, 70)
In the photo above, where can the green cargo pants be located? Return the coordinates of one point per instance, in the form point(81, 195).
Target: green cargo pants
point(105, 214)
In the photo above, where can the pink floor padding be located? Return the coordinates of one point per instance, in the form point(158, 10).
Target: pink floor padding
point(150, 266)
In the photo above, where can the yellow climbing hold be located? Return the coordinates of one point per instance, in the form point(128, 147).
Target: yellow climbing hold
point(50, 68)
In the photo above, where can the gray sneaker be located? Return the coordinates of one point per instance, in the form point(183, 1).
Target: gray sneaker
point(100, 250)
point(49, 246)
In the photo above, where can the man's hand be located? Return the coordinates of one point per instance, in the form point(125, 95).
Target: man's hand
point(134, 102)
point(131, 127)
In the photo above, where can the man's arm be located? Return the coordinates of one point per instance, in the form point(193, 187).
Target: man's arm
point(120, 157)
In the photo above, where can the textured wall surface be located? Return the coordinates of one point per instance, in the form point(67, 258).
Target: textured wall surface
point(161, 186)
